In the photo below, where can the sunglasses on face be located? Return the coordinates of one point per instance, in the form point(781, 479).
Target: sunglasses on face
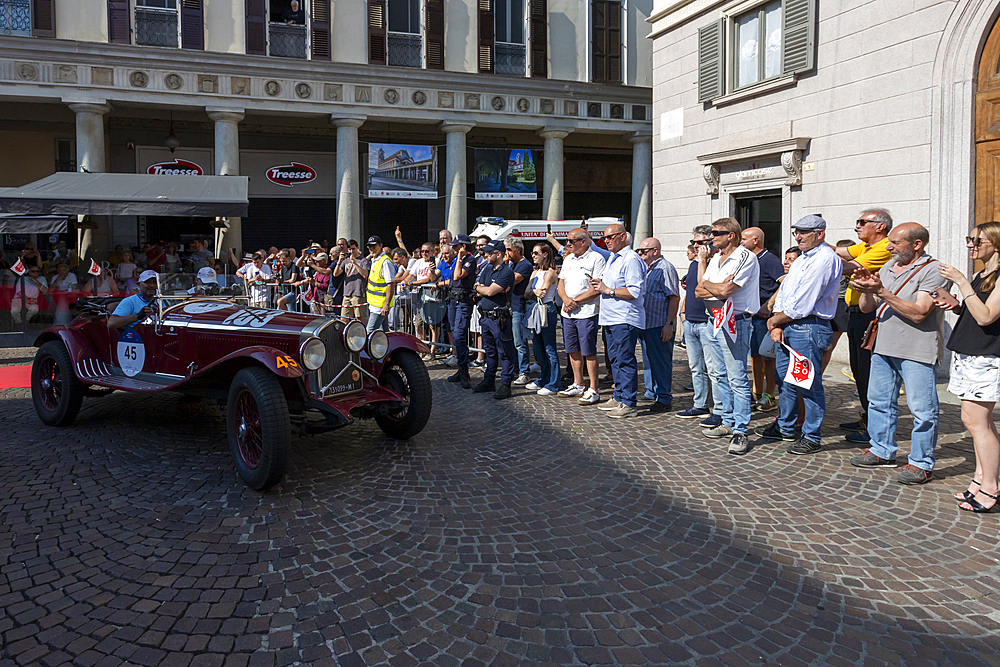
point(643, 251)
point(702, 242)
point(861, 222)
point(975, 242)
point(720, 232)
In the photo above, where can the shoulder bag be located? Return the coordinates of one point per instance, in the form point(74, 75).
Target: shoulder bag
point(868, 342)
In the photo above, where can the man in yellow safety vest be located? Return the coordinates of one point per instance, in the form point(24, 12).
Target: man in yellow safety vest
point(380, 285)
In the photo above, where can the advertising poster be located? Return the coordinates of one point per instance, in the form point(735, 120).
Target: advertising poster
point(503, 173)
point(402, 170)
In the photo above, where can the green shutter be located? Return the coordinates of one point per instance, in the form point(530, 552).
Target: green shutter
point(798, 30)
point(711, 79)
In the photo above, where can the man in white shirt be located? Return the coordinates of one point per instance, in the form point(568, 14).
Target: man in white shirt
point(581, 264)
point(733, 274)
point(806, 302)
point(256, 274)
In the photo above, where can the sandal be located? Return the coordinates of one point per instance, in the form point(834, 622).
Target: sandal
point(966, 496)
point(978, 507)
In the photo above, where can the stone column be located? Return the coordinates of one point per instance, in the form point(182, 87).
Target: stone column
point(349, 177)
point(552, 177)
point(456, 207)
point(90, 157)
point(642, 186)
point(227, 163)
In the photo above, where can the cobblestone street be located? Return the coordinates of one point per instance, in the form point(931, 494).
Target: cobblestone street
point(530, 531)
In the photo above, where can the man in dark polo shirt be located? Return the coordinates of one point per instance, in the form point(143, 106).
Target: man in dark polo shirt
point(496, 280)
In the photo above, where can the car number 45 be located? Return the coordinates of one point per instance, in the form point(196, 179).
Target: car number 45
point(284, 361)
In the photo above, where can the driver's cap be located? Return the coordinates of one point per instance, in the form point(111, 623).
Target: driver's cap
point(207, 275)
point(149, 275)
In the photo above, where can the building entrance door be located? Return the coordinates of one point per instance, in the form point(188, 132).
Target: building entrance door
point(988, 131)
point(762, 209)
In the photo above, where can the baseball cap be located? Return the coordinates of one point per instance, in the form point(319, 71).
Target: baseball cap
point(372, 240)
point(809, 223)
point(207, 275)
point(461, 239)
point(322, 256)
point(147, 275)
point(495, 246)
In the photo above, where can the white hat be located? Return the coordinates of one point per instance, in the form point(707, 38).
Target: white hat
point(146, 275)
point(207, 275)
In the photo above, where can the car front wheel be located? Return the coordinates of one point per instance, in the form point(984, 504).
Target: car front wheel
point(258, 427)
point(406, 375)
point(55, 391)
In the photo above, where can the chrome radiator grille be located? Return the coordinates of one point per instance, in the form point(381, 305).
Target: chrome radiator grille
point(337, 359)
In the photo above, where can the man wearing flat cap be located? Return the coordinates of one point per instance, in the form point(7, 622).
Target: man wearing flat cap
point(806, 302)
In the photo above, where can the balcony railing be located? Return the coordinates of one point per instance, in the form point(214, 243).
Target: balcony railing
point(510, 59)
point(404, 50)
point(155, 27)
point(15, 17)
point(287, 41)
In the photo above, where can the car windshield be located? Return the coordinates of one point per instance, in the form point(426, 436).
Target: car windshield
point(175, 284)
point(172, 288)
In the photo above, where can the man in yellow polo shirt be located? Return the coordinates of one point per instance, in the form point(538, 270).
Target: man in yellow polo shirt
point(873, 227)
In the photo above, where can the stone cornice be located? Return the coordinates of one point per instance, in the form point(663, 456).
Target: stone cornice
point(753, 152)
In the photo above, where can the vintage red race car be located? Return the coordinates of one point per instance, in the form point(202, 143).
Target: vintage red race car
point(274, 370)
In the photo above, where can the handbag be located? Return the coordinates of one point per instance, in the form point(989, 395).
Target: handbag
point(543, 313)
point(868, 341)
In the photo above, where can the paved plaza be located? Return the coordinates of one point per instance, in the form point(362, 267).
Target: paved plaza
point(530, 531)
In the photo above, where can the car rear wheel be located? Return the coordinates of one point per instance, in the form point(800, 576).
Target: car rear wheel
point(406, 375)
point(55, 391)
point(258, 427)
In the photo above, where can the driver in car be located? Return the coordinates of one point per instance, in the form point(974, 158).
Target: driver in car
point(207, 282)
point(135, 308)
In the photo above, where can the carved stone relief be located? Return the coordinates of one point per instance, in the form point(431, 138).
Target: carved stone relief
point(64, 74)
point(571, 108)
point(471, 101)
point(333, 92)
point(710, 173)
point(391, 95)
point(617, 111)
point(523, 105)
point(138, 79)
point(303, 91)
point(240, 85)
point(272, 88)
point(593, 109)
point(419, 98)
point(791, 162)
point(173, 81)
point(547, 106)
point(638, 112)
point(27, 72)
point(208, 83)
point(102, 76)
point(446, 100)
point(363, 94)
point(497, 103)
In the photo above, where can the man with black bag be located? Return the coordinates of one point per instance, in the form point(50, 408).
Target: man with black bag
point(460, 297)
point(496, 280)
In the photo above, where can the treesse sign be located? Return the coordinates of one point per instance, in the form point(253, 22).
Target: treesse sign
point(176, 167)
point(287, 175)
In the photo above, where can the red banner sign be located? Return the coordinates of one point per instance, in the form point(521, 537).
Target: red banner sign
point(287, 175)
point(177, 167)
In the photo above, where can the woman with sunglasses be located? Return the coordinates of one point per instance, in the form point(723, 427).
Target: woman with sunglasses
point(542, 285)
point(975, 364)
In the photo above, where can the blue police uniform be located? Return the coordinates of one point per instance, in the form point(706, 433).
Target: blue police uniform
point(498, 331)
point(460, 308)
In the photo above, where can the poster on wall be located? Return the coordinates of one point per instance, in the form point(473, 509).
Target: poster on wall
point(503, 173)
point(402, 170)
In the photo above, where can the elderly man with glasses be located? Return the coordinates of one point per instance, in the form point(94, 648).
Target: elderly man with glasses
point(873, 227)
point(660, 300)
point(581, 264)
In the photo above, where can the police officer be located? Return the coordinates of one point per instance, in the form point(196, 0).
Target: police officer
point(494, 286)
point(460, 296)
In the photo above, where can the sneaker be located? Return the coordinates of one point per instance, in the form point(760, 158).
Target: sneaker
point(623, 411)
point(869, 459)
point(589, 398)
point(426, 356)
point(657, 408)
point(545, 392)
point(572, 390)
point(532, 386)
point(739, 444)
point(607, 378)
point(772, 432)
point(502, 392)
point(860, 437)
point(521, 380)
point(691, 413)
point(610, 404)
point(479, 363)
point(534, 368)
point(457, 377)
point(451, 361)
point(911, 474)
point(720, 431)
point(766, 403)
point(854, 426)
point(484, 387)
point(712, 421)
point(645, 398)
point(803, 446)
point(688, 387)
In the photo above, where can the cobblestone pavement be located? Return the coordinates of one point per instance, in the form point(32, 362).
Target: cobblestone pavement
point(529, 531)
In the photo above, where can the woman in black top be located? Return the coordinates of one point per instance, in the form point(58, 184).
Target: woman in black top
point(975, 367)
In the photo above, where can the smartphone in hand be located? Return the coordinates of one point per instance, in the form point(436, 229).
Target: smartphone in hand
point(945, 297)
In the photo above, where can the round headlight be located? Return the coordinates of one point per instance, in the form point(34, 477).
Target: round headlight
point(355, 336)
point(378, 345)
point(313, 354)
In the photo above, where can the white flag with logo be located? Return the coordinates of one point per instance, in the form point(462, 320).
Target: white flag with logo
point(725, 318)
point(801, 371)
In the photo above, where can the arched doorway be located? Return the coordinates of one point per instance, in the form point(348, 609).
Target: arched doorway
point(988, 130)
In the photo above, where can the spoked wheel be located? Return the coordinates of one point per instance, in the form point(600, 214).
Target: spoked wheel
point(55, 391)
point(258, 427)
point(406, 375)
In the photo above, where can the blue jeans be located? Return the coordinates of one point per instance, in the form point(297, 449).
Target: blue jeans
point(521, 338)
point(458, 317)
point(658, 359)
point(624, 366)
point(702, 357)
point(809, 340)
point(376, 320)
point(888, 373)
point(545, 352)
point(731, 382)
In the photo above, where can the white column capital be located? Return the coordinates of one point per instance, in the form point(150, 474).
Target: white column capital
point(224, 114)
point(641, 137)
point(457, 126)
point(99, 108)
point(347, 121)
point(555, 132)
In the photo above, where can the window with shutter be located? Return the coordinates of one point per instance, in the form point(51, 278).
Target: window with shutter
point(435, 33)
point(710, 74)
point(486, 35)
point(376, 32)
point(539, 39)
point(798, 35)
point(43, 18)
point(256, 13)
point(119, 28)
point(320, 29)
point(192, 25)
point(606, 41)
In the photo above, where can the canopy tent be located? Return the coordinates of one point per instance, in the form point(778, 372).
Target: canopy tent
point(72, 193)
point(33, 224)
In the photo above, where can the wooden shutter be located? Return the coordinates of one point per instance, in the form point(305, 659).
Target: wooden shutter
point(487, 35)
point(599, 40)
point(119, 25)
point(613, 52)
point(320, 28)
point(256, 27)
point(539, 38)
point(711, 82)
point(434, 10)
point(798, 32)
point(376, 32)
point(192, 25)
point(43, 18)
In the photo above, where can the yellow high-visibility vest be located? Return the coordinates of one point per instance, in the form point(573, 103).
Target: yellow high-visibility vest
point(376, 287)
